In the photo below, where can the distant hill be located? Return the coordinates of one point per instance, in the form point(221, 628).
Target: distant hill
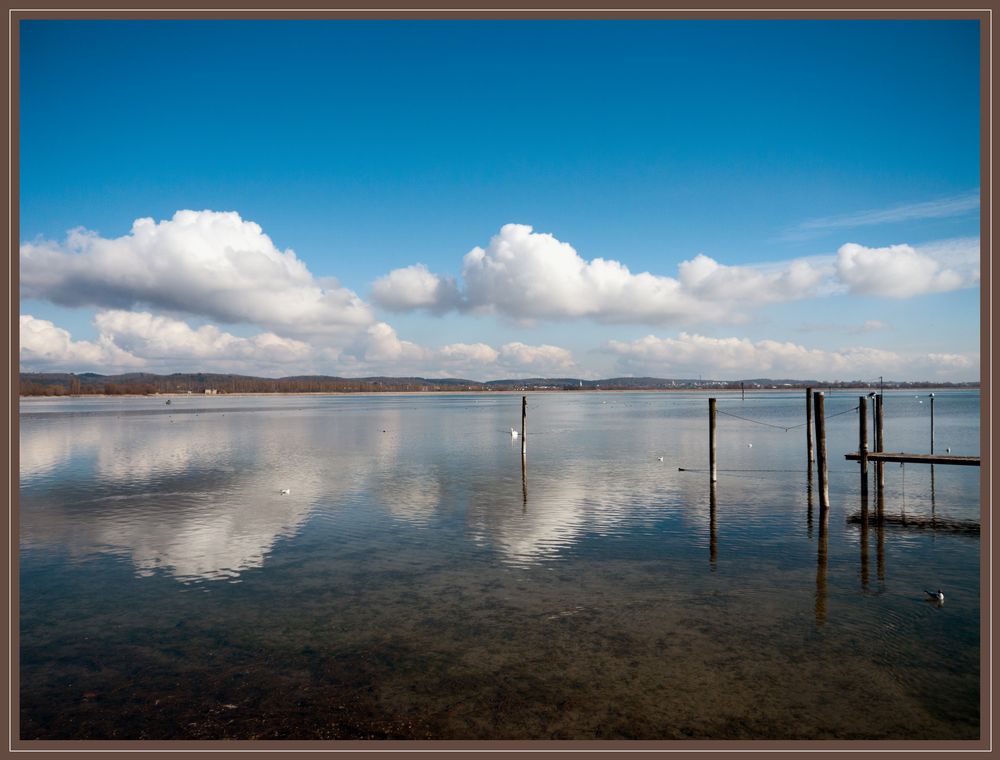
point(65, 383)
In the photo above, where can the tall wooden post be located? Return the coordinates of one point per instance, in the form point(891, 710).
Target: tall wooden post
point(713, 546)
point(874, 413)
point(524, 482)
point(821, 471)
point(821, 554)
point(809, 426)
point(864, 541)
point(932, 423)
point(743, 394)
point(809, 504)
point(524, 415)
point(711, 440)
point(880, 441)
point(863, 444)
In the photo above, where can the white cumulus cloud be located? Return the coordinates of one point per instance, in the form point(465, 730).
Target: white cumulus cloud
point(129, 340)
point(526, 275)
point(899, 271)
point(206, 263)
point(709, 280)
point(48, 348)
point(381, 345)
point(543, 359)
point(381, 351)
point(733, 358)
point(467, 354)
point(415, 287)
point(163, 339)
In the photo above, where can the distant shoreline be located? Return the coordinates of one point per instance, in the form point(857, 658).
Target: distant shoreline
point(505, 392)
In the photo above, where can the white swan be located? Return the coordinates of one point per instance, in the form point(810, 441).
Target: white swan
point(513, 433)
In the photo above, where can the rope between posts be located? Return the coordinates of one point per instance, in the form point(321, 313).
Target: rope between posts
point(782, 427)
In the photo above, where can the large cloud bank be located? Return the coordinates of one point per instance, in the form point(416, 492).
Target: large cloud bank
point(155, 287)
point(208, 263)
point(129, 341)
point(734, 358)
point(525, 275)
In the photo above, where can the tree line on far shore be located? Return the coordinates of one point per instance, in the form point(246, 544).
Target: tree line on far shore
point(70, 384)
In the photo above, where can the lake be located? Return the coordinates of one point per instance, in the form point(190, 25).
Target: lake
point(416, 583)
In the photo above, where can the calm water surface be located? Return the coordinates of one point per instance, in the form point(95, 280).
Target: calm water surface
point(416, 583)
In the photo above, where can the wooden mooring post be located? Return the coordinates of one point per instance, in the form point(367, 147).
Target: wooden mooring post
point(809, 427)
point(821, 471)
point(821, 556)
point(713, 539)
point(711, 441)
point(524, 416)
point(863, 444)
point(879, 444)
point(932, 423)
point(524, 482)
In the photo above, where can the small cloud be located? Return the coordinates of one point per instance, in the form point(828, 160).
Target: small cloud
point(542, 360)
point(415, 287)
point(869, 325)
point(955, 205)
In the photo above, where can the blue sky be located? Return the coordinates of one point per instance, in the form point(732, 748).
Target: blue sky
point(753, 150)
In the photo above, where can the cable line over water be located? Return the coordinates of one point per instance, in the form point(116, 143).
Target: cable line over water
point(783, 427)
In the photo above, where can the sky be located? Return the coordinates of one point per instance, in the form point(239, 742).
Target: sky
point(497, 199)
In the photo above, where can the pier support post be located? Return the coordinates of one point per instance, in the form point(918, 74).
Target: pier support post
point(821, 471)
point(809, 427)
point(524, 415)
point(863, 445)
point(711, 440)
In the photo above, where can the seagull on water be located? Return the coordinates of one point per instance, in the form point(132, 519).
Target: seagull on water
point(513, 433)
point(937, 596)
point(659, 459)
point(749, 445)
point(285, 491)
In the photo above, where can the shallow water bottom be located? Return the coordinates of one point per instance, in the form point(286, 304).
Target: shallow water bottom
point(569, 652)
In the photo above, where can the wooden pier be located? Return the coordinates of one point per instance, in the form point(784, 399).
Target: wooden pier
point(886, 456)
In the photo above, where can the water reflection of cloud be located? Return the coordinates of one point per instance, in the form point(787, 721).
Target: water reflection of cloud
point(198, 501)
point(413, 495)
point(561, 508)
point(44, 446)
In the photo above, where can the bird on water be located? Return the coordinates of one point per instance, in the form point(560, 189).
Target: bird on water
point(937, 596)
point(513, 433)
